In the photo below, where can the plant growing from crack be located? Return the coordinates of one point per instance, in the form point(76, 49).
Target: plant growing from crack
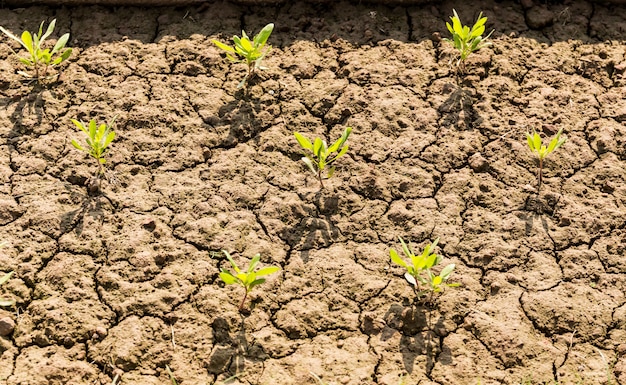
point(249, 278)
point(419, 271)
point(542, 151)
point(98, 139)
point(250, 52)
point(322, 154)
point(39, 56)
point(465, 39)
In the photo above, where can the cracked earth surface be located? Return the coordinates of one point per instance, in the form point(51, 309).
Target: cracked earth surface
point(127, 285)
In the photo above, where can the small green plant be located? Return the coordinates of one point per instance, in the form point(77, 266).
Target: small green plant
point(38, 56)
point(3, 301)
point(171, 375)
point(322, 154)
point(541, 151)
point(99, 138)
point(250, 52)
point(467, 40)
point(419, 272)
point(249, 279)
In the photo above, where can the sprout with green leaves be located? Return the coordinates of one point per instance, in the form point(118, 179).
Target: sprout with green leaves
point(467, 40)
point(541, 151)
point(99, 138)
point(322, 154)
point(249, 278)
point(250, 52)
point(38, 56)
point(419, 271)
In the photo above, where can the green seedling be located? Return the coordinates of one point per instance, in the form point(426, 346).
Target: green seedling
point(541, 151)
point(249, 279)
point(322, 154)
point(99, 138)
point(38, 56)
point(419, 273)
point(250, 52)
point(467, 40)
point(3, 301)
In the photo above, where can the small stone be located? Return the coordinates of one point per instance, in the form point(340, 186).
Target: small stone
point(101, 331)
point(539, 17)
point(478, 163)
point(7, 325)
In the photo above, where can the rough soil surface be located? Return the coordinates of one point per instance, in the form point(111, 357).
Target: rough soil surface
point(123, 284)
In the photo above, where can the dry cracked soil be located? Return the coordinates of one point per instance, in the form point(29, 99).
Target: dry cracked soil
point(111, 288)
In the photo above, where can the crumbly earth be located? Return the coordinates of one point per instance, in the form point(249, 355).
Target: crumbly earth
point(115, 288)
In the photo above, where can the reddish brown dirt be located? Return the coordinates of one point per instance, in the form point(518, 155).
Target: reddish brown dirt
point(126, 284)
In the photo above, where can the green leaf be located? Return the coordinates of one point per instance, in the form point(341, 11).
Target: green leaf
point(255, 260)
point(445, 273)
point(60, 43)
point(256, 282)
point(232, 263)
point(405, 248)
point(227, 277)
point(27, 39)
point(436, 281)
point(78, 146)
point(317, 147)
point(395, 258)
point(304, 142)
point(246, 44)
point(537, 141)
point(261, 38)
point(267, 270)
point(48, 32)
point(331, 172)
point(223, 46)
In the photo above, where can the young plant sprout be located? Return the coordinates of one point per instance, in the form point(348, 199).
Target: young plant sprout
point(419, 272)
point(322, 154)
point(249, 278)
point(38, 56)
point(250, 52)
point(467, 40)
point(541, 151)
point(98, 140)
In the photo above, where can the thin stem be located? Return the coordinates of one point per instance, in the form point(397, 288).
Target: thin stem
point(243, 301)
point(319, 176)
point(539, 177)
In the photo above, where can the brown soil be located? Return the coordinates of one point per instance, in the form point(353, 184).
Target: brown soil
point(127, 283)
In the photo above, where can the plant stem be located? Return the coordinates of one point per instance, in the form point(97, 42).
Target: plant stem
point(540, 175)
point(319, 176)
point(243, 301)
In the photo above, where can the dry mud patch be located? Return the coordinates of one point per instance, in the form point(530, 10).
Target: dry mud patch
point(127, 283)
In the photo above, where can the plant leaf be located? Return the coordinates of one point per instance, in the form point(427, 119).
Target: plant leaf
point(223, 46)
point(304, 142)
point(227, 277)
point(267, 270)
point(395, 258)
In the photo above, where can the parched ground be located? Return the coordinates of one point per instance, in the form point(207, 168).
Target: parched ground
point(124, 284)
